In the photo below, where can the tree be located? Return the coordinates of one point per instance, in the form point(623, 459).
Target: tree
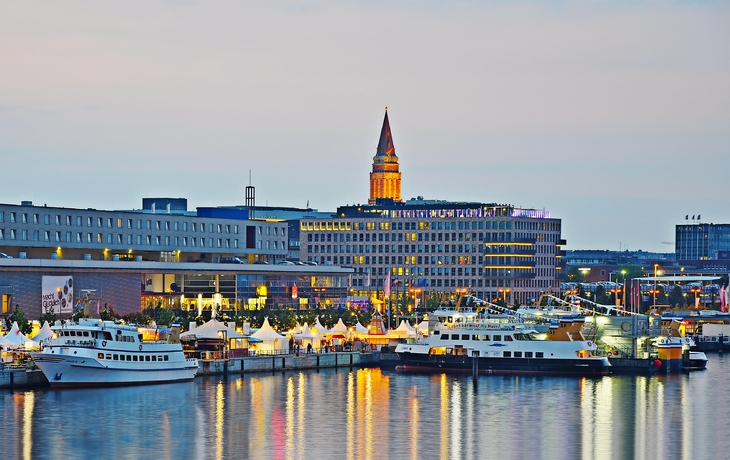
point(49, 315)
point(601, 296)
point(18, 316)
point(676, 298)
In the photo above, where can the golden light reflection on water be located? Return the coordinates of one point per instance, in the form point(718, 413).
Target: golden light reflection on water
point(414, 416)
point(445, 415)
point(289, 449)
point(28, 406)
point(220, 414)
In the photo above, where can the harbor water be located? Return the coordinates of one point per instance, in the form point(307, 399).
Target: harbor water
point(372, 414)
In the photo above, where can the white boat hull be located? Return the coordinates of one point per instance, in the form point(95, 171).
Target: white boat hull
point(64, 371)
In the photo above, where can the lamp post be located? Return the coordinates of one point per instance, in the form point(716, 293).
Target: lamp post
point(695, 290)
point(654, 290)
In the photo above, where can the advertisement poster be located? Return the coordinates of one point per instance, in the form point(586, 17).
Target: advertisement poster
point(57, 294)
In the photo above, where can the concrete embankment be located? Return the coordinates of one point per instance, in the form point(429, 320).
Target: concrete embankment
point(22, 378)
point(302, 361)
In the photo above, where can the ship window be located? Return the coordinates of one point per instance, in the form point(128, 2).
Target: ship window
point(485, 338)
point(508, 338)
point(159, 358)
point(475, 337)
point(445, 337)
point(134, 358)
point(167, 358)
point(507, 354)
point(86, 333)
point(146, 358)
point(518, 354)
point(528, 354)
point(539, 354)
point(108, 356)
point(497, 338)
point(154, 358)
point(100, 356)
point(464, 336)
point(454, 336)
point(129, 357)
point(116, 357)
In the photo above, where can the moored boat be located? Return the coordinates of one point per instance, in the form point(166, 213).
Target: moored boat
point(499, 347)
point(93, 352)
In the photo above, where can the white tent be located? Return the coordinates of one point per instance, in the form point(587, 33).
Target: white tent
point(270, 339)
point(423, 327)
point(211, 330)
point(404, 330)
point(308, 337)
point(360, 329)
point(6, 343)
point(319, 329)
point(17, 338)
point(339, 328)
point(44, 333)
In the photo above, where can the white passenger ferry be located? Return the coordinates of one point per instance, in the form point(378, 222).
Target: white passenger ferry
point(504, 347)
point(93, 352)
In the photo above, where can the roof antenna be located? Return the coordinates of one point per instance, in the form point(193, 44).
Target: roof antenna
point(250, 197)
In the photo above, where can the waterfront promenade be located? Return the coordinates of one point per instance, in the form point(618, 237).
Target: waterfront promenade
point(23, 377)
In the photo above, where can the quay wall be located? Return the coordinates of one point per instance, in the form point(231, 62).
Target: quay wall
point(22, 378)
point(288, 362)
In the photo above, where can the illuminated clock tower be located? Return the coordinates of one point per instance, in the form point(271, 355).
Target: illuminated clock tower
point(385, 178)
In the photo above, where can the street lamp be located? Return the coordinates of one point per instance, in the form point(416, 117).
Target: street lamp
point(696, 290)
point(654, 290)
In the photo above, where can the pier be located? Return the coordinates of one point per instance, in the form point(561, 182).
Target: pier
point(23, 377)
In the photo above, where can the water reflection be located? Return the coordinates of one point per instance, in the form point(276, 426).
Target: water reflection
point(367, 414)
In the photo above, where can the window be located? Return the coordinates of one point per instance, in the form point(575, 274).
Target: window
point(539, 354)
point(99, 221)
point(12, 217)
point(518, 354)
point(47, 219)
point(528, 354)
point(507, 354)
point(454, 336)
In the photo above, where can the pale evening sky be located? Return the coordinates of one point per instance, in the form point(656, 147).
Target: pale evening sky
point(614, 116)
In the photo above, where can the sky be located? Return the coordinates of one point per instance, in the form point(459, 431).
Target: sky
point(614, 116)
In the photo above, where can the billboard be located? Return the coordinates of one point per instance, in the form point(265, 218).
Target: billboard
point(57, 294)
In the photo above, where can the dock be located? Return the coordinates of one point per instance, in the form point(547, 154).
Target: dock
point(23, 377)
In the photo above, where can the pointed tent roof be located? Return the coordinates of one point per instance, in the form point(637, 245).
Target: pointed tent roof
point(6, 343)
point(210, 330)
point(339, 327)
point(266, 332)
point(306, 333)
point(17, 338)
point(404, 328)
point(422, 326)
point(385, 144)
point(360, 329)
point(44, 333)
point(319, 328)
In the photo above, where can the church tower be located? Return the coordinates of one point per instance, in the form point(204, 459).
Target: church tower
point(385, 178)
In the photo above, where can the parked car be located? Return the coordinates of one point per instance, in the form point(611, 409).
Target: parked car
point(261, 262)
point(5, 256)
point(231, 260)
point(284, 262)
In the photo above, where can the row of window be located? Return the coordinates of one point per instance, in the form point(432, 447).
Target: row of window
point(496, 237)
point(122, 357)
point(140, 240)
point(429, 225)
point(110, 222)
point(395, 248)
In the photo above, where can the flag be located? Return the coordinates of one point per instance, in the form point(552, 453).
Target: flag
point(386, 287)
